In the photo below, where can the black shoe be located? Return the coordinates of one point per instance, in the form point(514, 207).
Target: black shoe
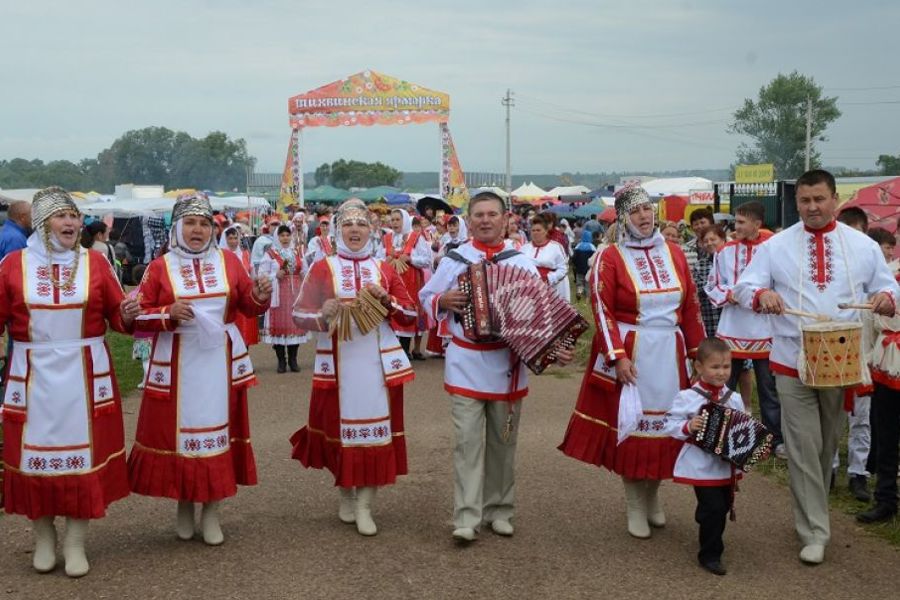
point(878, 513)
point(859, 488)
point(292, 358)
point(417, 356)
point(714, 566)
point(282, 359)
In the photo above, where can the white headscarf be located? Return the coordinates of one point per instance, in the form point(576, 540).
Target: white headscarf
point(223, 239)
point(352, 208)
point(463, 233)
point(407, 221)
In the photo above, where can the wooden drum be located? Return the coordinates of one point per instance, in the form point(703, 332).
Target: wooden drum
point(831, 354)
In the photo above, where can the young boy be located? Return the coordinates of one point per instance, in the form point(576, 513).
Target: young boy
point(709, 474)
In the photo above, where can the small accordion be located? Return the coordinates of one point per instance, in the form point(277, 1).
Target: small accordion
point(510, 304)
point(733, 435)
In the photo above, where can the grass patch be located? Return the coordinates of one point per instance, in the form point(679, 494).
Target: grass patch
point(840, 498)
point(128, 370)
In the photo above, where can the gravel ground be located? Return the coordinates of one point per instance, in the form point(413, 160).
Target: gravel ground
point(283, 538)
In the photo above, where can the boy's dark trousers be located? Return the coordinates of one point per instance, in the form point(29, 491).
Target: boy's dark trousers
point(713, 504)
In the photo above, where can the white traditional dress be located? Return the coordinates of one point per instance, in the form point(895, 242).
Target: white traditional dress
point(693, 465)
point(813, 271)
point(479, 370)
point(355, 427)
point(552, 263)
point(193, 433)
point(62, 414)
point(747, 333)
point(645, 308)
point(278, 325)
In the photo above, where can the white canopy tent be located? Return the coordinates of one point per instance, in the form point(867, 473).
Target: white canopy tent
point(149, 206)
point(10, 196)
point(568, 190)
point(678, 186)
point(493, 189)
point(529, 190)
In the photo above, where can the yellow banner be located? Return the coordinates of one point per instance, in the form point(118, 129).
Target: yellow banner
point(763, 173)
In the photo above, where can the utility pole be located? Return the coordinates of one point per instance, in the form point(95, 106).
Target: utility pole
point(808, 132)
point(507, 101)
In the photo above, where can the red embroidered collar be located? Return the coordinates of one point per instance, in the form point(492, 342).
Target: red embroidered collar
point(827, 229)
point(715, 391)
point(489, 251)
point(536, 245)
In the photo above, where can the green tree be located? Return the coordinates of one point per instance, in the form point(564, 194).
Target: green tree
point(353, 173)
point(776, 121)
point(889, 165)
point(323, 174)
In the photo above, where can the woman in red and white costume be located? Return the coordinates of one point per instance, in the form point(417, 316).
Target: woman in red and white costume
point(355, 427)
point(514, 233)
point(283, 265)
point(193, 434)
point(403, 245)
point(548, 256)
point(648, 323)
point(231, 240)
point(62, 413)
point(457, 234)
point(322, 244)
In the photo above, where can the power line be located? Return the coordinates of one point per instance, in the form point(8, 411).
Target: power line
point(623, 116)
point(871, 102)
point(641, 131)
point(626, 125)
point(862, 89)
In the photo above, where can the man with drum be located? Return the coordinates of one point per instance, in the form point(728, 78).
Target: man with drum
point(485, 381)
point(811, 268)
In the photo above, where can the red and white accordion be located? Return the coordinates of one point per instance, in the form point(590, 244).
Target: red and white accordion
point(510, 304)
point(733, 435)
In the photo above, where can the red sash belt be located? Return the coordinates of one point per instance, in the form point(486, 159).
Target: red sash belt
point(482, 346)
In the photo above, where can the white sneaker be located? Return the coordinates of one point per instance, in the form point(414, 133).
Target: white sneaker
point(502, 527)
point(780, 452)
point(464, 534)
point(813, 554)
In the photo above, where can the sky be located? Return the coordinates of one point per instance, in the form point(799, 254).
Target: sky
point(650, 85)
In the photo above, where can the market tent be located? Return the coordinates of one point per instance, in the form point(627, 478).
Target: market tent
point(881, 202)
point(129, 208)
point(239, 203)
point(588, 210)
point(568, 190)
point(676, 186)
point(672, 207)
point(26, 194)
point(326, 193)
point(375, 193)
point(608, 215)
point(563, 210)
point(527, 192)
point(493, 189)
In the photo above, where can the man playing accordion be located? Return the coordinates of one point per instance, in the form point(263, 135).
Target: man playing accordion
point(485, 380)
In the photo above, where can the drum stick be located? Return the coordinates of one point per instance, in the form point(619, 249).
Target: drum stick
point(845, 305)
point(803, 313)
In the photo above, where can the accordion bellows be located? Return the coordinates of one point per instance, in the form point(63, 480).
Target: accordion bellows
point(733, 435)
point(510, 304)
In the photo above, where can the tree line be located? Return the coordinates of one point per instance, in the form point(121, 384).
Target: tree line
point(153, 155)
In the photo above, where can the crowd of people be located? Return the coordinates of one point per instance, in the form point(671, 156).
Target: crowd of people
point(677, 325)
